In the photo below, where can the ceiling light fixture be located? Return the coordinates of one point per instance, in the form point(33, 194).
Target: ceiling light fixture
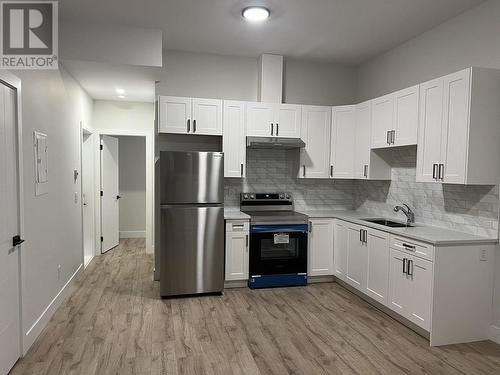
point(255, 13)
point(120, 91)
point(121, 96)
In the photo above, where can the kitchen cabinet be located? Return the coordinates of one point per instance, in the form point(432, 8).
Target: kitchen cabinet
point(237, 242)
point(273, 120)
point(196, 116)
point(234, 139)
point(395, 119)
point(340, 245)
point(320, 262)
point(377, 265)
point(362, 141)
point(411, 287)
point(356, 257)
point(316, 130)
point(459, 137)
point(342, 142)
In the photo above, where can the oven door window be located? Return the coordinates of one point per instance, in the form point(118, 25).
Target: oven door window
point(278, 252)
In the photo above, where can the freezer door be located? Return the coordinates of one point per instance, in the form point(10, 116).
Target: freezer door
point(191, 177)
point(192, 250)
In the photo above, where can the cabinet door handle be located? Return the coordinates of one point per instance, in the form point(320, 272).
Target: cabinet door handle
point(393, 136)
point(241, 169)
point(441, 172)
point(410, 268)
point(434, 171)
point(194, 126)
point(361, 235)
point(272, 129)
point(331, 170)
point(404, 265)
point(246, 241)
point(388, 137)
point(277, 129)
point(365, 170)
point(310, 227)
point(188, 125)
point(304, 170)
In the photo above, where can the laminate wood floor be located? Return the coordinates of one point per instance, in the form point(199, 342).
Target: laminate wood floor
point(115, 323)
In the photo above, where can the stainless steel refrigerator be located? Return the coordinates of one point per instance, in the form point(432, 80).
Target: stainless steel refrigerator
point(191, 222)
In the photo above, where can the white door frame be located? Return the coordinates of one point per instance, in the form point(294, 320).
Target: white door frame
point(15, 82)
point(149, 136)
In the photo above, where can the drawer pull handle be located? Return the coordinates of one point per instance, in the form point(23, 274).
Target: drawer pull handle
point(409, 247)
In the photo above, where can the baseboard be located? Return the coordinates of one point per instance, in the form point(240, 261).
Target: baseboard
point(35, 330)
point(495, 334)
point(229, 284)
point(133, 234)
point(320, 279)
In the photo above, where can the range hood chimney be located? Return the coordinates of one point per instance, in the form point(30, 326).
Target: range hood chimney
point(270, 80)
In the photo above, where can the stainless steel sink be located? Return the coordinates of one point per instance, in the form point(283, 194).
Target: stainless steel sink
point(388, 223)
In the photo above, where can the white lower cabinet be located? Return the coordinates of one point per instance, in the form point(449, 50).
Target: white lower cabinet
point(340, 245)
point(237, 243)
point(377, 265)
point(320, 262)
point(356, 257)
point(411, 287)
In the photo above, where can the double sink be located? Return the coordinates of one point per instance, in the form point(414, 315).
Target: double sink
point(388, 223)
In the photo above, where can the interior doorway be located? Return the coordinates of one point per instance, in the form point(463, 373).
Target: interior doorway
point(123, 189)
point(88, 193)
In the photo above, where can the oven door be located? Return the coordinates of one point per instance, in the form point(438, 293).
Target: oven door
point(278, 249)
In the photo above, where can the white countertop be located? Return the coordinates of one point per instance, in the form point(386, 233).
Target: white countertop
point(235, 214)
point(425, 233)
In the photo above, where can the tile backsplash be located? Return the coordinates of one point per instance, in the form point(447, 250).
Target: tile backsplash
point(471, 209)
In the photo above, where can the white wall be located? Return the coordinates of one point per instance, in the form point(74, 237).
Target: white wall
point(471, 39)
point(231, 77)
point(132, 186)
point(53, 103)
point(121, 115)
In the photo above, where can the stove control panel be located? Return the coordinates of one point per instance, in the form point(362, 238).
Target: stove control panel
point(277, 197)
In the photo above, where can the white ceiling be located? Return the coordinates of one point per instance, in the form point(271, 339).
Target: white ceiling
point(345, 31)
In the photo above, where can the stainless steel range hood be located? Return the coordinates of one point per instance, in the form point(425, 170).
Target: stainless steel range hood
point(273, 142)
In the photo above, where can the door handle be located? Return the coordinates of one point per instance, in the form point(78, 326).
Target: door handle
point(246, 241)
point(241, 169)
point(366, 236)
point(188, 125)
point(277, 129)
point(118, 197)
point(272, 129)
point(361, 235)
point(404, 264)
point(393, 136)
point(310, 227)
point(17, 240)
point(194, 126)
point(410, 268)
point(304, 170)
point(365, 170)
point(331, 170)
point(434, 171)
point(388, 138)
point(441, 172)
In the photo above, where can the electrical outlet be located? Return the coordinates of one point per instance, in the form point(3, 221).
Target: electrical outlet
point(483, 255)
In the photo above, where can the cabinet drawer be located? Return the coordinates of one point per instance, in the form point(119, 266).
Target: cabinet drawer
point(417, 248)
point(237, 226)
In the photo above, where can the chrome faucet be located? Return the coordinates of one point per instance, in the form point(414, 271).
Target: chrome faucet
point(410, 216)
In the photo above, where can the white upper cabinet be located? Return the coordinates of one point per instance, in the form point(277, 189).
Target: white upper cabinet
point(395, 119)
point(273, 120)
point(260, 119)
point(178, 115)
point(174, 115)
point(316, 129)
point(362, 141)
point(320, 252)
point(207, 116)
point(342, 141)
point(459, 136)
point(288, 120)
point(234, 139)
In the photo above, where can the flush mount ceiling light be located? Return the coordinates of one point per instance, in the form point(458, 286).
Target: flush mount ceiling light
point(255, 13)
point(120, 91)
point(121, 96)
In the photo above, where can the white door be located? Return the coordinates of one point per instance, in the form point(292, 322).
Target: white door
point(237, 254)
point(9, 227)
point(316, 129)
point(406, 116)
point(260, 119)
point(234, 139)
point(288, 121)
point(382, 120)
point(429, 130)
point(356, 258)
point(88, 183)
point(421, 275)
point(174, 115)
point(342, 142)
point(341, 242)
point(207, 116)
point(321, 247)
point(377, 268)
point(362, 141)
point(455, 126)
point(400, 287)
point(109, 193)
